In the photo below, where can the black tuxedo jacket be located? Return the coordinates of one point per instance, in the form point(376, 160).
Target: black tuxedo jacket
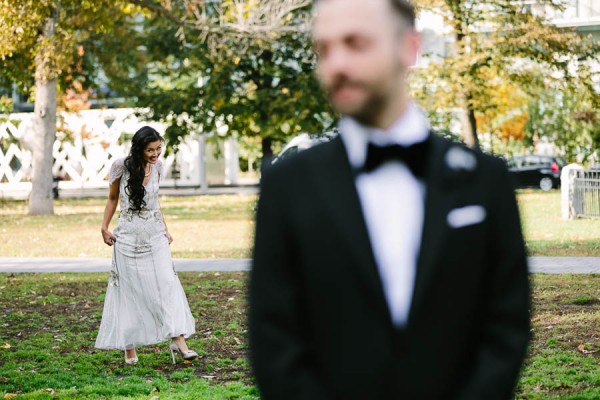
point(319, 324)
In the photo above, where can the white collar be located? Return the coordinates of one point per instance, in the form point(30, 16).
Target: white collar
point(412, 127)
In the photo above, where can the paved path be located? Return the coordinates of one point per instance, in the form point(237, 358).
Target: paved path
point(182, 191)
point(547, 265)
point(18, 264)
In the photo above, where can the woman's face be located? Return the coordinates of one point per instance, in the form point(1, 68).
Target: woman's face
point(152, 151)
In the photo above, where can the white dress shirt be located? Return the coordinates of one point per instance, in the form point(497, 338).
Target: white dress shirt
point(393, 203)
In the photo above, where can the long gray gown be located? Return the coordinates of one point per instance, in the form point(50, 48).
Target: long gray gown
point(145, 303)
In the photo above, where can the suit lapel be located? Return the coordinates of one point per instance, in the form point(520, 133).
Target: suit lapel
point(335, 181)
point(435, 227)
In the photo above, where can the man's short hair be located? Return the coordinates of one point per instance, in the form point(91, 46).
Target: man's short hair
point(406, 11)
point(404, 8)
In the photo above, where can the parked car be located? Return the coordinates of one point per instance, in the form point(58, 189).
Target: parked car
point(302, 142)
point(536, 171)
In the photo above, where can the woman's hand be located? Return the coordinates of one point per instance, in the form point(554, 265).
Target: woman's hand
point(108, 237)
point(169, 237)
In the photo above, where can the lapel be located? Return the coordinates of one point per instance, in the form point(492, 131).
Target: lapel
point(335, 181)
point(435, 227)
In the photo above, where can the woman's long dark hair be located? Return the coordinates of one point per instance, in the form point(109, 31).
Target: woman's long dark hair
point(134, 163)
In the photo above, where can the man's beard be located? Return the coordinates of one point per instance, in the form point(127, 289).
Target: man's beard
point(366, 111)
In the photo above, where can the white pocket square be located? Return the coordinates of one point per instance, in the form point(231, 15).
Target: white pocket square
point(465, 216)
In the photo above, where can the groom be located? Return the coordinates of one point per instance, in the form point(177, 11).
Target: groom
point(389, 263)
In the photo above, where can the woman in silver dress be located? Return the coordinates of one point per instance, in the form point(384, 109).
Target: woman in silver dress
point(145, 303)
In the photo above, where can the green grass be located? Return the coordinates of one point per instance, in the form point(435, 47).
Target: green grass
point(48, 324)
point(547, 234)
point(566, 321)
point(202, 227)
point(222, 227)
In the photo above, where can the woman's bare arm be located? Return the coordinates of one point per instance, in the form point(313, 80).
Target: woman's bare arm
point(109, 211)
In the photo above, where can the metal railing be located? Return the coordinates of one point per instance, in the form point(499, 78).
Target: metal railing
point(586, 194)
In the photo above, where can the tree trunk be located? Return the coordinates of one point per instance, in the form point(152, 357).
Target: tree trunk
point(267, 152)
point(472, 138)
point(44, 125)
point(469, 121)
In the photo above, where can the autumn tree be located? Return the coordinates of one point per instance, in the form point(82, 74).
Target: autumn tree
point(39, 41)
point(517, 46)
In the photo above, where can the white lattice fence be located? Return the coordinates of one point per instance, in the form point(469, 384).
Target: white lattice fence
point(83, 156)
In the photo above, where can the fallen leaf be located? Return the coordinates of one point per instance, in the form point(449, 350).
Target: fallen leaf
point(5, 346)
point(208, 376)
point(583, 350)
point(187, 362)
point(10, 396)
point(50, 390)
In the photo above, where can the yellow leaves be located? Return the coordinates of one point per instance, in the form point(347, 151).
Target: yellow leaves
point(514, 128)
point(5, 346)
point(217, 104)
point(10, 396)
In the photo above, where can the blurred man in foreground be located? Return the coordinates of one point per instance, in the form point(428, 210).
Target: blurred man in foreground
point(388, 263)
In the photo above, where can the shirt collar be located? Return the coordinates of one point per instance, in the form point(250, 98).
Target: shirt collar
point(412, 127)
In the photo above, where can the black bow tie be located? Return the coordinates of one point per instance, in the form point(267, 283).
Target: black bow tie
point(415, 157)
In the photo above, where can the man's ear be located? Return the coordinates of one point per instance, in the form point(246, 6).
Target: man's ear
point(410, 48)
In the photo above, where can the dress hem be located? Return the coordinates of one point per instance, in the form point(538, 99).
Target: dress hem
point(150, 343)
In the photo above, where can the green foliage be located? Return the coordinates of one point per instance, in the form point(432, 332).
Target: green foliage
point(6, 105)
point(95, 44)
point(232, 85)
point(568, 118)
point(502, 46)
point(22, 44)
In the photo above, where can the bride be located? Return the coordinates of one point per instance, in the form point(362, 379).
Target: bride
point(145, 303)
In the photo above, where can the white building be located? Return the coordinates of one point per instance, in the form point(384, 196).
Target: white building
point(584, 15)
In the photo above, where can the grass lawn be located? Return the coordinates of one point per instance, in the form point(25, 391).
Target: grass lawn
point(49, 323)
point(48, 327)
point(202, 227)
point(547, 234)
point(222, 227)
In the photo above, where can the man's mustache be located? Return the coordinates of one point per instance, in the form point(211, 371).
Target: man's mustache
point(344, 82)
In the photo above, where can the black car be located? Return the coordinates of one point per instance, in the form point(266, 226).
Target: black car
point(536, 171)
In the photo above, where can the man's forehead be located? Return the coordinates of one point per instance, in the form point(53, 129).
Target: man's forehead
point(335, 18)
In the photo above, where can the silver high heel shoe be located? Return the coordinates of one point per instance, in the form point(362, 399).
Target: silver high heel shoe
point(131, 361)
point(187, 355)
